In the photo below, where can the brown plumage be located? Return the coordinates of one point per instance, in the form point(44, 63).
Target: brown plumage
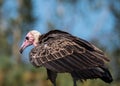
point(61, 52)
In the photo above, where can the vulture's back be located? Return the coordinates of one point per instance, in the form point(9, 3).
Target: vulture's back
point(66, 53)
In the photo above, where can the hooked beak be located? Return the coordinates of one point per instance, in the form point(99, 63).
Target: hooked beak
point(24, 45)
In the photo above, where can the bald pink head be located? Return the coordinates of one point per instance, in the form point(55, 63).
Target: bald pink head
point(32, 38)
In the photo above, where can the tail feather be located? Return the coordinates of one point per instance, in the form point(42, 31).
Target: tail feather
point(107, 77)
point(98, 72)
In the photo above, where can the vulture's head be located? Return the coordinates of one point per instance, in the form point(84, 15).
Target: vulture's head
point(32, 38)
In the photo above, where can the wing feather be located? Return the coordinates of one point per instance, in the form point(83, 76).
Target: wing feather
point(62, 54)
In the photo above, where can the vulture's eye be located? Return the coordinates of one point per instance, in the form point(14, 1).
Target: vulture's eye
point(27, 38)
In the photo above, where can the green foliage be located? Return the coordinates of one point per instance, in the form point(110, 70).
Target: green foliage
point(4, 46)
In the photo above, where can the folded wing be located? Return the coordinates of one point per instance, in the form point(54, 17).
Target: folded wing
point(66, 53)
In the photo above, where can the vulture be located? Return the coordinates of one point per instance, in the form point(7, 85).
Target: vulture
point(61, 52)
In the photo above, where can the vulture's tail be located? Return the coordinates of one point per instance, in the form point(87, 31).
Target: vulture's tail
point(107, 76)
point(98, 72)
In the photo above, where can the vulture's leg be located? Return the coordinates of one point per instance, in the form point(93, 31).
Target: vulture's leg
point(74, 82)
point(74, 78)
point(52, 76)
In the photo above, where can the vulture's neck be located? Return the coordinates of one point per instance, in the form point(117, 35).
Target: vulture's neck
point(40, 38)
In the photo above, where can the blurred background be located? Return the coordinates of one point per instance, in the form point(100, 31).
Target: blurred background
point(97, 21)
